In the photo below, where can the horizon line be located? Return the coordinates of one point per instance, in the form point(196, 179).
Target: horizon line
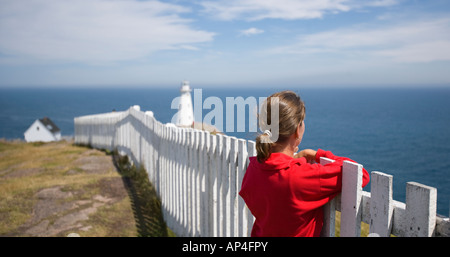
point(232, 86)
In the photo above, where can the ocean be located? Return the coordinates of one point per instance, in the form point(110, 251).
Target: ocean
point(404, 132)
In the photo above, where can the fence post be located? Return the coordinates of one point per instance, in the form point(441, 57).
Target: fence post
point(212, 186)
point(251, 148)
point(381, 204)
point(233, 186)
point(420, 210)
point(329, 210)
point(205, 192)
point(174, 176)
point(197, 168)
point(199, 174)
point(168, 173)
point(242, 163)
point(189, 144)
point(194, 185)
point(184, 182)
point(226, 186)
point(351, 199)
point(218, 203)
point(163, 170)
point(177, 177)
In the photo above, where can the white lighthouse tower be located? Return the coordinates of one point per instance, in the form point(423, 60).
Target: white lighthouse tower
point(185, 116)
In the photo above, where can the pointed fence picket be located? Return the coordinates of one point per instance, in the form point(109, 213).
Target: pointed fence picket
point(198, 175)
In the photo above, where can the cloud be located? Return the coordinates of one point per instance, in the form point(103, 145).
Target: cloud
point(382, 3)
point(420, 52)
point(251, 31)
point(93, 31)
point(283, 9)
point(416, 41)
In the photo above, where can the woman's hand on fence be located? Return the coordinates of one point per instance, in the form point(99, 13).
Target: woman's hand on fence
point(309, 154)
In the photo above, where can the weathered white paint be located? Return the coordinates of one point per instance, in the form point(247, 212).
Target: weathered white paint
point(225, 206)
point(198, 177)
point(329, 212)
point(233, 187)
point(242, 162)
point(251, 147)
point(420, 210)
point(382, 206)
point(212, 173)
point(218, 191)
point(351, 199)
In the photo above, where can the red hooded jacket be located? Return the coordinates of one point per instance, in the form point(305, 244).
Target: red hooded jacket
point(286, 194)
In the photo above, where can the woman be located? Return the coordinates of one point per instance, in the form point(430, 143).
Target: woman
point(284, 190)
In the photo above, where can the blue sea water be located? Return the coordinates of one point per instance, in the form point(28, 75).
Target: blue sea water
point(402, 132)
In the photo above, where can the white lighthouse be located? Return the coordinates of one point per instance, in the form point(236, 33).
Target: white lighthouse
point(185, 117)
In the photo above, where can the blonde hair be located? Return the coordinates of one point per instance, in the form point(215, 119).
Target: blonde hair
point(291, 113)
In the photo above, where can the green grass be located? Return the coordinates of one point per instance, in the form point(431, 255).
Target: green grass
point(364, 226)
point(146, 204)
point(27, 168)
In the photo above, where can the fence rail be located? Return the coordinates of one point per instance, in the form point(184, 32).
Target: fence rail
point(198, 176)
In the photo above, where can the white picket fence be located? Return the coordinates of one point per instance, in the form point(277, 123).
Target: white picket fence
point(198, 176)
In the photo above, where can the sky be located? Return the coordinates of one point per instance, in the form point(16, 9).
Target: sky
point(121, 43)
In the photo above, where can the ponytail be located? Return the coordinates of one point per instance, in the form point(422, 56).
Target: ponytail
point(263, 147)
